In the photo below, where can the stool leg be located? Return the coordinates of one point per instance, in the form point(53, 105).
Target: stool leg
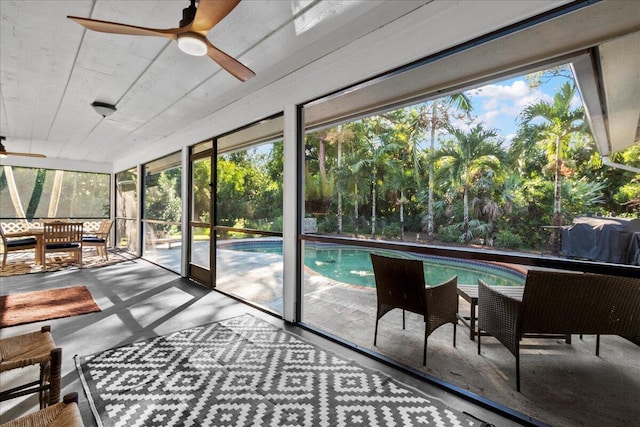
point(56, 373)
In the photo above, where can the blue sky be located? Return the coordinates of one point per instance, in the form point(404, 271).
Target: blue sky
point(498, 104)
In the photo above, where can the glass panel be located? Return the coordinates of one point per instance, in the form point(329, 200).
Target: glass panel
point(250, 267)
point(126, 224)
point(162, 244)
point(201, 246)
point(508, 165)
point(34, 193)
point(249, 188)
point(163, 212)
point(201, 191)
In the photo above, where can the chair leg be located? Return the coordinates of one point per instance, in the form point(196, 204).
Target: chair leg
point(402, 319)
point(597, 345)
point(518, 369)
point(375, 334)
point(4, 259)
point(454, 334)
point(55, 376)
point(424, 351)
point(479, 341)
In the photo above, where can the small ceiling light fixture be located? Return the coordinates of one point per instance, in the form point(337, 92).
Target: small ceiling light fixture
point(192, 44)
point(103, 108)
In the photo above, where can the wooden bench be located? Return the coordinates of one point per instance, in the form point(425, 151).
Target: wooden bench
point(560, 303)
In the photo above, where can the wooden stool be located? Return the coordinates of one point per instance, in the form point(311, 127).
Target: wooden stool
point(63, 414)
point(35, 348)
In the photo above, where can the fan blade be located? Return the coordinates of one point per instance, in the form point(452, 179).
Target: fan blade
point(229, 63)
point(116, 28)
point(9, 153)
point(210, 12)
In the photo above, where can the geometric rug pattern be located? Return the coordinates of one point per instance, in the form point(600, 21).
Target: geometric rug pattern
point(245, 371)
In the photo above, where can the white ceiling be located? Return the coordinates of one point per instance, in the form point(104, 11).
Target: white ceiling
point(52, 69)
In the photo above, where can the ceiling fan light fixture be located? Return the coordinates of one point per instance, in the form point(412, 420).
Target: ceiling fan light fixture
point(192, 44)
point(103, 108)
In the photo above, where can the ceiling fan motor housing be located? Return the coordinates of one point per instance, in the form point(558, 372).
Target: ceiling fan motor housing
point(188, 13)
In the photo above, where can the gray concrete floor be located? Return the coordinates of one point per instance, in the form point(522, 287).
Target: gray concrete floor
point(562, 385)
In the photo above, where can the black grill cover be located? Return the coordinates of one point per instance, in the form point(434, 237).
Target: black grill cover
point(601, 239)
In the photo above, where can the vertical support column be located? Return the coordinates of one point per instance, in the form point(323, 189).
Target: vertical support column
point(290, 215)
point(186, 197)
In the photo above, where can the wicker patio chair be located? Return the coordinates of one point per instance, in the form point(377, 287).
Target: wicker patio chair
point(35, 348)
point(62, 237)
point(63, 414)
point(400, 284)
point(99, 238)
point(563, 303)
point(18, 244)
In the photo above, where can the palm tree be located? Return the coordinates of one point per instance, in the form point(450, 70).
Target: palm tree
point(436, 116)
point(554, 125)
point(466, 158)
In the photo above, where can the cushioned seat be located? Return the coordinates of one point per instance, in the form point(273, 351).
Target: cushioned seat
point(63, 246)
point(21, 242)
point(63, 237)
point(14, 245)
point(93, 239)
point(100, 238)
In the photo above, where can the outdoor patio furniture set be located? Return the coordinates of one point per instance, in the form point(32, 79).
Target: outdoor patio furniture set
point(551, 304)
point(54, 236)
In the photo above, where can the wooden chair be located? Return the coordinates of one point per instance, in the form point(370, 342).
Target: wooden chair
point(11, 245)
point(62, 237)
point(63, 414)
point(35, 348)
point(100, 238)
point(400, 284)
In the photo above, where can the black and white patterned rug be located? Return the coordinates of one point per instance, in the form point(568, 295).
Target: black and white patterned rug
point(247, 372)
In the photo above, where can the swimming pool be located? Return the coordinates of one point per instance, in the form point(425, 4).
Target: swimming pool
point(352, 265)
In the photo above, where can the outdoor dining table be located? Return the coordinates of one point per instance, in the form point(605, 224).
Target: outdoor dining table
point(38, 233)
point(470, 294)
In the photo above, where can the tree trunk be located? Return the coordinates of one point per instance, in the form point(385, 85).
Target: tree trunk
point(55, 194)
point(430, 213)
point(465, 201)
point(339, 189)
point(34, 201)
point(373, 203)
point(15, 196)
point(356, 219)
point(557, 211)
point(401, 215)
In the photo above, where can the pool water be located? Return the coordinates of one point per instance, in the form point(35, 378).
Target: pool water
point(352, 265)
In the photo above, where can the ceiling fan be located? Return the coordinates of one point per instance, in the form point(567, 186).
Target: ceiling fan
point(191, 35)
point(5, 153)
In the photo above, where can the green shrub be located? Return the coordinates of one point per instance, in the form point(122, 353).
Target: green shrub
point(450, 234)
point(506, 239)
point(392, 231)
